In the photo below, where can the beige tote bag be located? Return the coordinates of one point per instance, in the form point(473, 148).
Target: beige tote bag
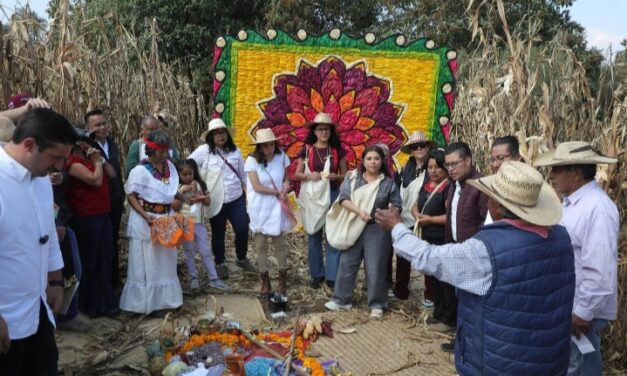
point(343, 227)
point(409, 196)
point(215, 186)
point(314, 200)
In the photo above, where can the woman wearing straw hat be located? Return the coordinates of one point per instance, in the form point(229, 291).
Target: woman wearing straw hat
point(222, 167)
point(515, 296)
point(322, 166)
point(592, 220)
point(413, 175)
point(268, 208)
point(373, 243)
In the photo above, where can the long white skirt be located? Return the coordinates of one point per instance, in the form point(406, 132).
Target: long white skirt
point(151, 283)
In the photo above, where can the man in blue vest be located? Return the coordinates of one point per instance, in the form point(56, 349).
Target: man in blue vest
point(515, 296)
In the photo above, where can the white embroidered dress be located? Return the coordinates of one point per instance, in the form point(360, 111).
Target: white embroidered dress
point(152, 283)
point(266, 215)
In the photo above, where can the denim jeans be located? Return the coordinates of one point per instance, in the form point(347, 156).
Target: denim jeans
point(72, 310)
point(590, 364)
point(235, 213)
point(317, 266)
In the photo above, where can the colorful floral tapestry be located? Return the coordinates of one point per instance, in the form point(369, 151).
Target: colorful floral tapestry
point(376, 91)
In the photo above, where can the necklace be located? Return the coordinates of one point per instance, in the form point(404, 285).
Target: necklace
point(320, 157)
point(163, 175)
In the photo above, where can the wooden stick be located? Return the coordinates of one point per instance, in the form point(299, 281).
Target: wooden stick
point(288, 362)
point(300, 370)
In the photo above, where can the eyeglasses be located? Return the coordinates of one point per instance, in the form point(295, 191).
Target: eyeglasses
point(453, 165)
point(419, 145)
point(323, 129)
point(499, 158)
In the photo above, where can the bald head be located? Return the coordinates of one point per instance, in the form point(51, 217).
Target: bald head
point(148, 124)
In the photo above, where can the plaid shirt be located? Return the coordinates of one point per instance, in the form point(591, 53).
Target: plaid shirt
point(464, 265)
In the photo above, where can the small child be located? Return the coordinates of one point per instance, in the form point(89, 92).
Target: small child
point(195, 190)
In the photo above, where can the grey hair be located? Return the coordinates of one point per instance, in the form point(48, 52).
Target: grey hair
point(158, 137)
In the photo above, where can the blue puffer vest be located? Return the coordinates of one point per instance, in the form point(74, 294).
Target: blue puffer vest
point(522, 325)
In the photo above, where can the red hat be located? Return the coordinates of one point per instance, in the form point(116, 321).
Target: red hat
point(18, 100)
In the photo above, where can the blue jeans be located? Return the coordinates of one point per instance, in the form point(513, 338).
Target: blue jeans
point(72, 310)
point(590, 364)
point(316, 259)
point(235, 213)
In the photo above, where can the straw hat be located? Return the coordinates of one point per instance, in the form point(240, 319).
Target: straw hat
point(6, 129)
point(521, 189)
point(321, 118)
point(214, 124)
point(414, 138)
point(264, 135)
point(572, 153)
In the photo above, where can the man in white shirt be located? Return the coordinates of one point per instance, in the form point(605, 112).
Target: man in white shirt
point(30, 259)
point(503, 149)
point(591, 219)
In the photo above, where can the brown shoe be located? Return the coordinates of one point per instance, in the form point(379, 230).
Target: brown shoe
point(282, 281)
point(266, 288)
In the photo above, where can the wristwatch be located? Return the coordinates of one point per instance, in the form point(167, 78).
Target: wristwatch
point(56, 282)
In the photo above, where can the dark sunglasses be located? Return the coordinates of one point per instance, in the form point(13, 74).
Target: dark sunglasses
point(419, 145)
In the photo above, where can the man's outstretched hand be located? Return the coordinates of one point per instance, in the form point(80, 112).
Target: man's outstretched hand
point(388, 218)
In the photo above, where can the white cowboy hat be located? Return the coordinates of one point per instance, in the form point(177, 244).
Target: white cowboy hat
point(414, 138)
point(521, 189)
point(214, 124)
point(572, 153)
point(6, 129)
point(321, 118)
point(264, 135)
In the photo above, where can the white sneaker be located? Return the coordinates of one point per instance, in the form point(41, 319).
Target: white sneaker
point(333, 306)
point(193, 284)
point(376, 314)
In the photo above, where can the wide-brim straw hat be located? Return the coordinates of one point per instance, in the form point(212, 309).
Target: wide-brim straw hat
point(414, 138)
point(214, 124)
point(321, 118)
point(264, 135)
point(572, 153)
point(521, 189)
point(6, 129)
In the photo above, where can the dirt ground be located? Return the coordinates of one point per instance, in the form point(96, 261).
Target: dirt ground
point(400, 344)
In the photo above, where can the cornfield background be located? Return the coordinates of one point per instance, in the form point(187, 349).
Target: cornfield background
point(541, 94)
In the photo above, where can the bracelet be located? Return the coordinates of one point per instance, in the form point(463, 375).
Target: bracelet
point(56, 282)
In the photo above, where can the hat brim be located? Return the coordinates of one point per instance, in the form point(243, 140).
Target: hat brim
point(548, 159)
point(311, 124)
point(406, 148)
point(203, 135)
point(266, 141)
point(546, 212)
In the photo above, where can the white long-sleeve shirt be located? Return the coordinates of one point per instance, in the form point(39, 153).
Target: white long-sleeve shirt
point(591, 219)
point(26, 216)
point(210, 161)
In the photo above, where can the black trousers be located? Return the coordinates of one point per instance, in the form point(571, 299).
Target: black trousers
point(36, 355)
point(444, 303)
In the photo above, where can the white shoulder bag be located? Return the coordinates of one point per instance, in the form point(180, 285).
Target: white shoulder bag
point(314, 199)
point(343, 227)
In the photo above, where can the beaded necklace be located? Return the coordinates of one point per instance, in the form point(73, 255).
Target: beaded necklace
point(163, 176)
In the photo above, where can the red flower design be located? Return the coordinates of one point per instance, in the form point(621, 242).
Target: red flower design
point(358, 103)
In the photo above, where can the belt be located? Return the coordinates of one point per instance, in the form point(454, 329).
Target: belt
point(156, 208)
